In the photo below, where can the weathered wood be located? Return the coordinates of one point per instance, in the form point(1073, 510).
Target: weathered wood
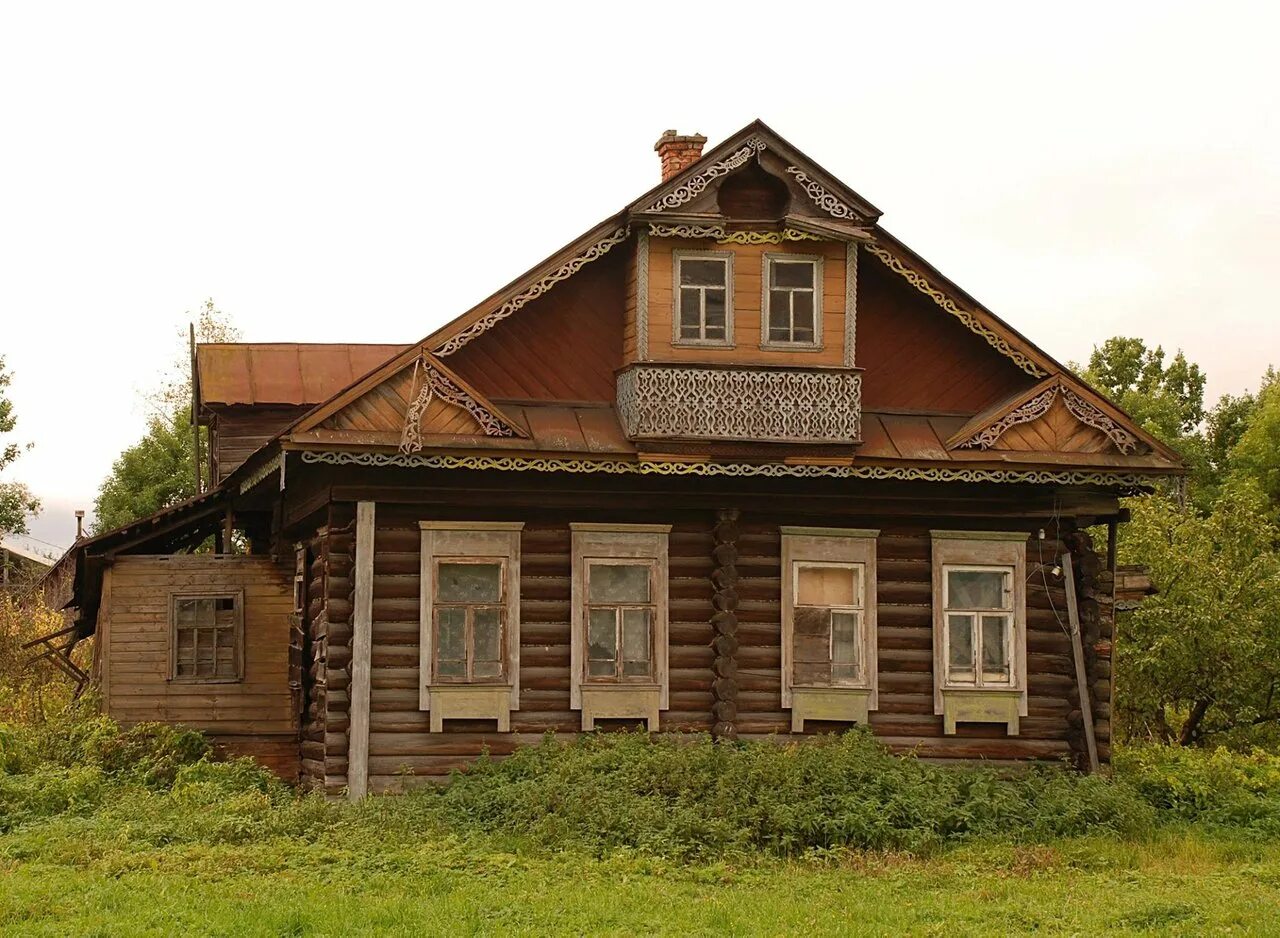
point(361, 645)
point(1082, 680)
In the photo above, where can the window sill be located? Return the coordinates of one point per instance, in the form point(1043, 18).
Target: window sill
point(469, 702)
point(206, 680)
point(602, 701)
point(791, 347)
point(981, 705)
point(843, 704)
point(701, 343)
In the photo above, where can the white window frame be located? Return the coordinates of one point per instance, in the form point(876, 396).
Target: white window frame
point(619, 543)
point(770, 258)
point(469, 542)
point(830, 547)
point(1007, 572)
point(677, 258)
point(975, 701)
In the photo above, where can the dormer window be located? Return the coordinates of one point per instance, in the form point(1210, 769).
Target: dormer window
point(703, 298)
point(792, 301)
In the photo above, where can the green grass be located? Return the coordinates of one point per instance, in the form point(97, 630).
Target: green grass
point(1180, 883)
point(104, 831)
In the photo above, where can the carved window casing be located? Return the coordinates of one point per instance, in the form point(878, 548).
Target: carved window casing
point(768, 404)
point(829, 660)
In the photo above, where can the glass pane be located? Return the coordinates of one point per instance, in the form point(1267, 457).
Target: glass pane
point(702, 273)
point(690, 314)
point(792, 274)
point(487, 632)
point(451, 642)
point(715, 308)
point(960, 645)
point(811, 635)
point(186, 612)
point(469, 582)
point(635, 642)
point(995, 649)
point(975, 589)
point(779, 316)
point(845, 647)
point(827, 586)
point(802, 309)
point(618, 583)
point(602, 636)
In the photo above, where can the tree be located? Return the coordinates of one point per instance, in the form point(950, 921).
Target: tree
point(1256, 450)
point(1202, 656)
point(159, 470)
point(16, 501)
point(1168, 401)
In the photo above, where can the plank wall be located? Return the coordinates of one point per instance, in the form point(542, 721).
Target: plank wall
point(255, 715)
point(237, 433)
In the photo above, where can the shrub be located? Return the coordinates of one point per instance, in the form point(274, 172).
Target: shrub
point(1217, 786)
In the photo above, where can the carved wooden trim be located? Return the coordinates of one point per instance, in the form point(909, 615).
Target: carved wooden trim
point(1033, 409)
point(659, 230)
point(768, 237)
point(776, 405)
point(642, 295)
point(850, 304)
point(567, 270)
point(694, 186)
point(821, 197)
point(436, 384)
point(1087, 414)
point(724, 622)
point(970, 321)
point(1132, 481)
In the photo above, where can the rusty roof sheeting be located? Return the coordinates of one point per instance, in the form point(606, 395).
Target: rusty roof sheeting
point(283, 372)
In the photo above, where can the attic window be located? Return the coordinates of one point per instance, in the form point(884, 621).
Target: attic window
point(703, 298)
point(792, 301)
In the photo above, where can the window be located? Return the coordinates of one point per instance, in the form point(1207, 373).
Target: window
point(619, 621)
point(978, 604)
point(469, 648)
point(620, 613)
point(792, 301)
point(703, 291)
point(206, 637)
point(979, 627)
point(829, 623)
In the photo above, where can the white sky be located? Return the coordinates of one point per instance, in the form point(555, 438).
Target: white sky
point(365, 172)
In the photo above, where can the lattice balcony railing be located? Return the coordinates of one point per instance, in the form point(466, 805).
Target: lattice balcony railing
point(776, 405)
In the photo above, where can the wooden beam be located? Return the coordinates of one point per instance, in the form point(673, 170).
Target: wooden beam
point(361, 655)
point(1077, 650)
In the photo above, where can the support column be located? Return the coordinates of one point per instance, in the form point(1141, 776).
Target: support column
point(725, 623)
point(361, 654)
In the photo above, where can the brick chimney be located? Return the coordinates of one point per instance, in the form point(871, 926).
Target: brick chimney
point(677, 153)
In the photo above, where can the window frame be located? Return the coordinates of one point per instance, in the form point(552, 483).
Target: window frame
point(237, 595)
point(469, 542)
point(768, 260)
point(469, 623)
point(677, 258)
point(620, 676)
point(1007, 573)
point(980, 550)
point(830, 547)
point(623, 544)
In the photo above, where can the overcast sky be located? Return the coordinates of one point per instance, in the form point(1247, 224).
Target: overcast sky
point(367, 171)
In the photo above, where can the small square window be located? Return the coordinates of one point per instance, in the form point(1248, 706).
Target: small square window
point(206, 638)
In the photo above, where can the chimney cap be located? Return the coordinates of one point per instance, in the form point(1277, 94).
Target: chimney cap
point(671, 136)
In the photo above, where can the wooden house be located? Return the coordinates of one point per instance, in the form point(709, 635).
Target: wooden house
point(735, 461)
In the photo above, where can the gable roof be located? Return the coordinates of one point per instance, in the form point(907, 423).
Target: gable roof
point(293, 373)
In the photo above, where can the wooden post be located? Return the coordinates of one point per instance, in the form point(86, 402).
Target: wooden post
point(195, 409)
point(1077, 650)
point(361, 655)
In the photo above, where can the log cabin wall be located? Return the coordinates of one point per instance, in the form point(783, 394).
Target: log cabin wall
point(253, 716)
point(725, 676)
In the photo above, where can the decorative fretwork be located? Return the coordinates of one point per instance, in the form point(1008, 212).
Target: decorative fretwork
point(766, 404)
point(992, 338)
point(595, 252)
point(642, 295)
point(437, 385)
point(850, 303)
point(1038, 406)
point(822, 198)
point(270, 466)
point(1033, 409)
point(768, 237)
point(1127, 481)
point(658, 230)
point(693, 187)
point(1086, 413)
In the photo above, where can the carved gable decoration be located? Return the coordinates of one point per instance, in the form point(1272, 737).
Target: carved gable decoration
point(1051, 418)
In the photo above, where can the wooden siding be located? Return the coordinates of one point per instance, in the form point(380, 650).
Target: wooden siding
point(236, 433)
point(401, 746)
point(916, 356)
point(748, 272)
point(565, 345)
point(136, 680)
